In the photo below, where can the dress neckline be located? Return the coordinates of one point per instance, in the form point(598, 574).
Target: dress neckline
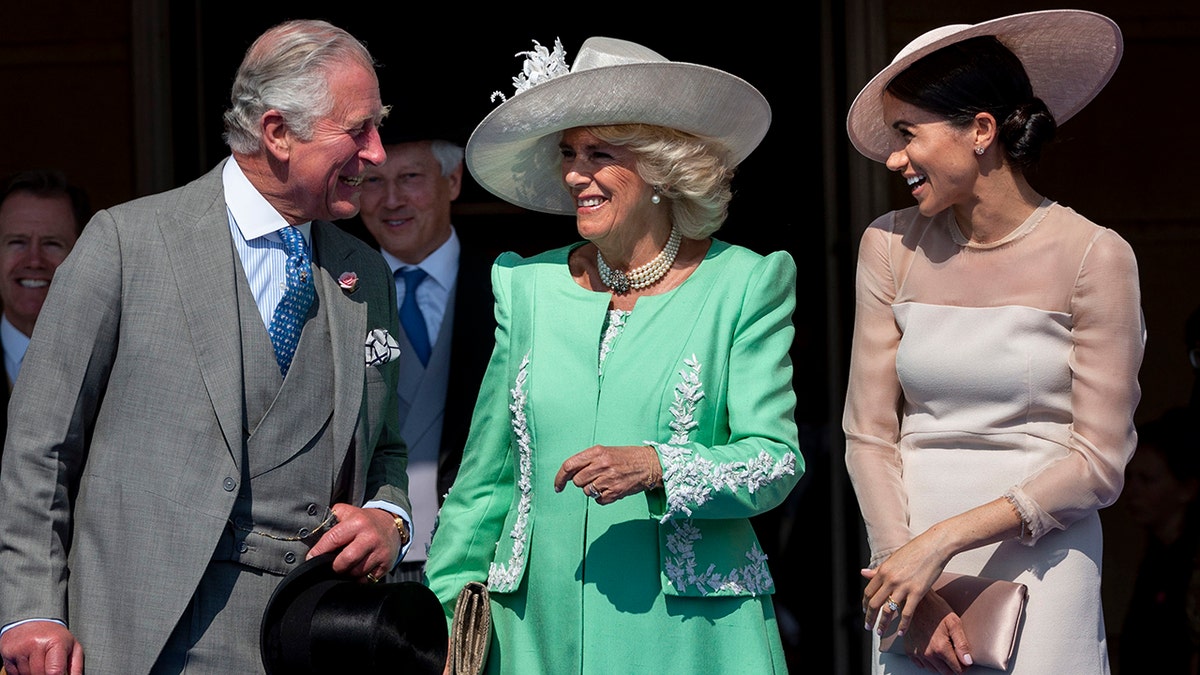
point(1018, 232)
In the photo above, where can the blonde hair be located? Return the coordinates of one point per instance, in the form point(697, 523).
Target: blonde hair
point(694, 173)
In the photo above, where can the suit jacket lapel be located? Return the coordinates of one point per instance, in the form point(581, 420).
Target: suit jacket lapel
point(201, 256)
point(347, 332)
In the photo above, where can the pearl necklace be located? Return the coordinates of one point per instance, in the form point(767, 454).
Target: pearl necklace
point(646, 275)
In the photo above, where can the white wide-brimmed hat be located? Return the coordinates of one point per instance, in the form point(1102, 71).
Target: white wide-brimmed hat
point(1068, 54)
point(514, 154)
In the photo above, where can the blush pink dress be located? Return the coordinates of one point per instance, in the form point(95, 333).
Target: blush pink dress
point(1005, 370)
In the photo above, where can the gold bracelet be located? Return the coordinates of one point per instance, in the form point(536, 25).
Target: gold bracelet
point(403, 530)
point(651, 481)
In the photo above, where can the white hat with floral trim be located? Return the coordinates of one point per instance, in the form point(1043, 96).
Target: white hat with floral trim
point(514, 154)
point(1068, 54)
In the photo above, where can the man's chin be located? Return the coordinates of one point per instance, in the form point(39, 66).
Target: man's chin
point(343, 210)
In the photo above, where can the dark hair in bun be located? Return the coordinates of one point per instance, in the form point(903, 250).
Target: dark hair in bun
point(978, 75)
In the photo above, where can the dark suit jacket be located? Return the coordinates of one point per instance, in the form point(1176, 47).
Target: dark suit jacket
point(471, 348)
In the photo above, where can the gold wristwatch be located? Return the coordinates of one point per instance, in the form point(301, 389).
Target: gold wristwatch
point(403, 530)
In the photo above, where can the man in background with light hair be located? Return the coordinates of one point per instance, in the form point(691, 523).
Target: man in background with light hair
point(444, 298)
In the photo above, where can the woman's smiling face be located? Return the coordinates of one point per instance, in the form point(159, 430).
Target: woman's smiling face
point(936, 158)
point(609, 194)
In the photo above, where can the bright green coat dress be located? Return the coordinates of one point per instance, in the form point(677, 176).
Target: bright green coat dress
point(668, 581)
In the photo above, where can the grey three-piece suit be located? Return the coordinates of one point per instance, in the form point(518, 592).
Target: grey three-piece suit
point(153, 441)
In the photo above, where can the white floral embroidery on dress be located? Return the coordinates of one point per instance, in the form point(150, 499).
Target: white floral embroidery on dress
point(615, 323)
point(754, 577)
point(690, 482)
point(503, 577)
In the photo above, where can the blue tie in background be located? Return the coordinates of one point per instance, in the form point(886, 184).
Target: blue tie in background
point(411, 318)
point(292, 310)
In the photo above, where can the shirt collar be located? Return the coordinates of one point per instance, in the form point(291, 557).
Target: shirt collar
point(441, 265)
point(251, 212)
point(15, 342)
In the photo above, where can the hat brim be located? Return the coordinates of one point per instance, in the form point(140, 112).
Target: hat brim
point(315, 615)
point(1069, 55)
point(307, 574)
point(513, 152)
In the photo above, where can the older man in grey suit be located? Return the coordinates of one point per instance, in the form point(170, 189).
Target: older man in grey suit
point(209, 395)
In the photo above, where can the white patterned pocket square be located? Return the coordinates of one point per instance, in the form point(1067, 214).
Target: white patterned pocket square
point(381, 347)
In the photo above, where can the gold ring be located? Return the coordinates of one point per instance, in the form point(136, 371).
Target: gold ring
point(892, 605)
point(372, 578)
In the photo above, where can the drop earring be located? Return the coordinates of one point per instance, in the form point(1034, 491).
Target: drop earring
point(654, 198)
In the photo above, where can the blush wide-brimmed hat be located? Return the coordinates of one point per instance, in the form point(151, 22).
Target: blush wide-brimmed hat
point(513, 152)
point(320, 622)
point(1069, 55)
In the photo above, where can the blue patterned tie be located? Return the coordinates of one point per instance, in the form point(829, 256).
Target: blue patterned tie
point(292, 310)
point(411, 318)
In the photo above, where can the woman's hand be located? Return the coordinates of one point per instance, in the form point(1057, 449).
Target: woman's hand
point(608, 473)
point(896, 587)
point(936, 641)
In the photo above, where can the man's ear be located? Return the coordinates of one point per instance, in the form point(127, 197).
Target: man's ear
point(276, 136)
point(455, 179)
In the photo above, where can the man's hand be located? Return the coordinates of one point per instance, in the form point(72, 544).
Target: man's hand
point(367, 542)
point(41, 648)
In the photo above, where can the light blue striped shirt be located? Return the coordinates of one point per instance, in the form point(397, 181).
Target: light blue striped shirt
point(254, 225)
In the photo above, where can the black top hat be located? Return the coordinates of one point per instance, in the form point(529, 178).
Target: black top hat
point(318, 621)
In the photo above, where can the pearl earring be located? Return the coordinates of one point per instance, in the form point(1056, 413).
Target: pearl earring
point(654, 198)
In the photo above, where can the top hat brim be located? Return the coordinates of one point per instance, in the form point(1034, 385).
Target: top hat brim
point(359, 613)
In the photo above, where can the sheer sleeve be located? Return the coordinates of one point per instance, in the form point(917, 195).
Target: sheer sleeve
point(871, 419)
point(1108, 338)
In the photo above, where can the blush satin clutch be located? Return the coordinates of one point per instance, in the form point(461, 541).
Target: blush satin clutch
point(470, 630)
point(991, 611)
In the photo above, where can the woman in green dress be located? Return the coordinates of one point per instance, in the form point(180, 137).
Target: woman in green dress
point(638, 407)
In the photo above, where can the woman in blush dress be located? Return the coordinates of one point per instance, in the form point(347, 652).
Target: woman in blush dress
point(997, 340)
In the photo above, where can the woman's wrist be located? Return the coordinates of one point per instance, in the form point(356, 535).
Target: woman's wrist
point(653, 470)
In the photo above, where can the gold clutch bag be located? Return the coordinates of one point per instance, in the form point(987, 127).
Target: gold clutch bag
point(470, 630)
point(991, 611)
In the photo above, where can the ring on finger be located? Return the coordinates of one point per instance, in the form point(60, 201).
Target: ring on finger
point(892, 605)
point(372, 578)
point(592, 491)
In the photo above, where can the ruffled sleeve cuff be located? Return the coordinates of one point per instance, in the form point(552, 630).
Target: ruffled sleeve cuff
point(1034, 521)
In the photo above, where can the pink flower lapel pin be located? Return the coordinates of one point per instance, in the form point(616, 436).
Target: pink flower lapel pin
point(348, 281)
